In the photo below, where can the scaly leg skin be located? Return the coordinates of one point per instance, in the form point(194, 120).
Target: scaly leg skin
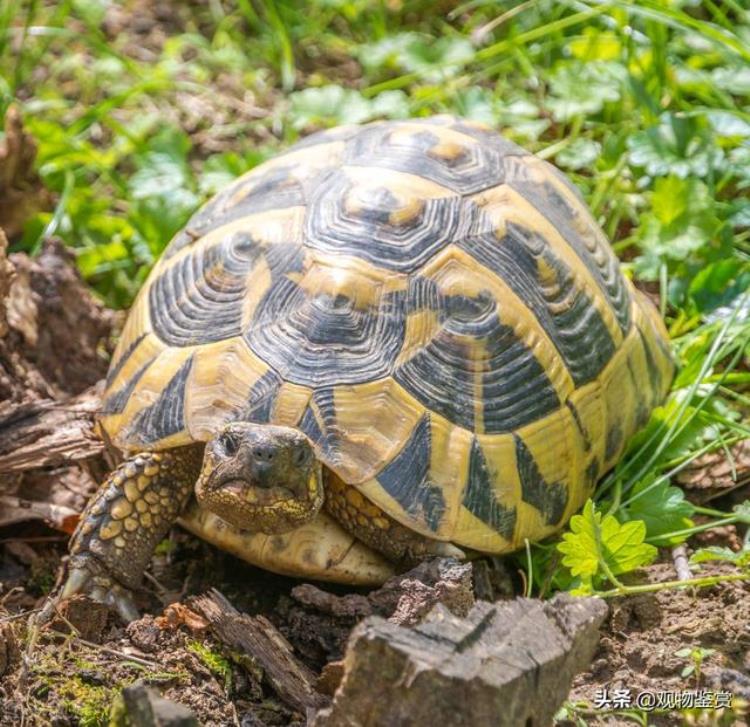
point(124, 521)
point(378, 530)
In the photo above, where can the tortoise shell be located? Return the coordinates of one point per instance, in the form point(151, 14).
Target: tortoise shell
point(434, 307)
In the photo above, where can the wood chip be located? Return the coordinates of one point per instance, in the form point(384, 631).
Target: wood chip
point(260, 639)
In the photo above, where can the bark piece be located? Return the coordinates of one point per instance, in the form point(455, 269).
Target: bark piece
point(7, 273)
point(318, 622)
point(88, 617)
point(259, 638)
point(714, 474)
point(54, 335)
point(508, 663)
point(405, 598)
point(53, 341)
point(330, 677)
point(73, 329)
point(145, 707)
point(48, 433)
point(439, 580)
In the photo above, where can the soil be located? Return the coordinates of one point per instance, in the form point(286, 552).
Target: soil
point(641, 648)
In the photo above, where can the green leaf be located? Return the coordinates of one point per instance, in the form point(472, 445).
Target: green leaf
point(390, 104)
point(718, 284)
point(387, 53)
point(742, 512)
point(582, 89)
point(662, 508)
point(670, 199)
point(714, 553)
point(328, 106)
point(683, 229)
point(595, 45)
point(579, 154)
point(733, 79)
point(432, 58)
point(436, 58)
point(726, 123)
point(331, 105)
point(597, 545)
point(679, 145)
point(163, 177)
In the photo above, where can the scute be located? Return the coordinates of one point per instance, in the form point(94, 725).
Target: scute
point(433, 306)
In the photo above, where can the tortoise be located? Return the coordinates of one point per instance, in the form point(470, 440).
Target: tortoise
point(393, 340)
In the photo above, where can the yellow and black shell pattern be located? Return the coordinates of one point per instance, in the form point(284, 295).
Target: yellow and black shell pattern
point(433, 306)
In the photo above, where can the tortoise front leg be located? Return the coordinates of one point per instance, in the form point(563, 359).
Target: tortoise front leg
point(125, 520)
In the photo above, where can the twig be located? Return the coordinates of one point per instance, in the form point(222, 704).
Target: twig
point(106, 649)
point(680, 560)
point(257, 637)
point(121, 654)
point(20, 614)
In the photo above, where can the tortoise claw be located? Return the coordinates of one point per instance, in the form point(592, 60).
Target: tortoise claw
point(448, 550)
point(87, 576)
point(77, 581)
point(121, 600)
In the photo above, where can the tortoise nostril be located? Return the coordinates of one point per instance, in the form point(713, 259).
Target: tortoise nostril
point(264, 453)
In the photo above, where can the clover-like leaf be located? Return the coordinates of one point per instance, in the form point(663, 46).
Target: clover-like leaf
point(579, 154)
point(662, 508)
point(600, 546)
point(678, 145)
point(328, 106)
point(734, 79)
point(712, 553)
point(432, 58)
point(582, 89)
point(331, 105)
point(682, 223)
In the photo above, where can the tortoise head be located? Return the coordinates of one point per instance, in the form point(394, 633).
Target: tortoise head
point(261, 477)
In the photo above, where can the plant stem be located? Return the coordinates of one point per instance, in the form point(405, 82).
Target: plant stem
point(704, 582)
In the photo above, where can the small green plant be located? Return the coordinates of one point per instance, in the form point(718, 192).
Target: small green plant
point(696, 655)
point(217, 664)
point(598, 548)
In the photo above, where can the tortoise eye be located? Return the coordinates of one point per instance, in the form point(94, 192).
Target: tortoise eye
point(301, 456)
point(228, 444)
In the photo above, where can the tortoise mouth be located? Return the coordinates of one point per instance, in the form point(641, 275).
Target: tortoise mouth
point(254, 492)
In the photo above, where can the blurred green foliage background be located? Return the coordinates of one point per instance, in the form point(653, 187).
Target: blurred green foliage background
point(143, 109)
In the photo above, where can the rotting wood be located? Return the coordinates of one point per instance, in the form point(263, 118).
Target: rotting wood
point(506, 664)
point(716, 473)
point(48, 433)
point(405, 598)
point(261, 640)
point(53, 341)
point(22, 193)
